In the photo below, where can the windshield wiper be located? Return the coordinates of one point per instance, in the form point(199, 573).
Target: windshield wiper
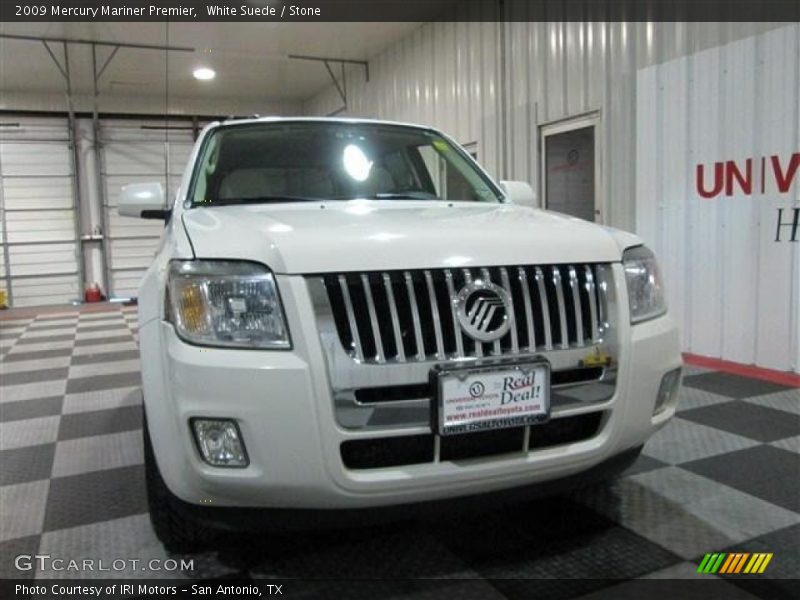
point(410, 195)
point(258, 200)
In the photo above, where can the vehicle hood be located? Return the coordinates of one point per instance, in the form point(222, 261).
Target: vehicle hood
point(363, 235)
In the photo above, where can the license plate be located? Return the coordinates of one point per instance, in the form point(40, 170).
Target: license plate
point(493, 397)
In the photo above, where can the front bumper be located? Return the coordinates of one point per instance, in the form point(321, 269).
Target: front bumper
point(299, 519)
point(284, 406)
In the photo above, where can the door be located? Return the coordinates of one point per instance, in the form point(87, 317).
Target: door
point(133, 152)
point(38, 217)
point(570, 168)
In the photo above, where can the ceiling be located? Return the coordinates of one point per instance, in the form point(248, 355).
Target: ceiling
point(250, 58)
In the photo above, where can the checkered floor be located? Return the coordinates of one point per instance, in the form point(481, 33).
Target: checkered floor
point(723, 476)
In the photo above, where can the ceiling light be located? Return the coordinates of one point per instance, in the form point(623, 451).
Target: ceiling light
point(204, 73)
point(356, 163)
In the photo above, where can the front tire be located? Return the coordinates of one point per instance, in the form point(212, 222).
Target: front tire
point(179, 533)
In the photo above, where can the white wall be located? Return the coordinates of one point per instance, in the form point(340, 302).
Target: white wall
point(453, 75)
point(732, 286)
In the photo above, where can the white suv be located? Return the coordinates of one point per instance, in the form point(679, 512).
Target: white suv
point(352, 315)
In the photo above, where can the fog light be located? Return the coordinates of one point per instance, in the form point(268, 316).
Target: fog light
point(220, 442)
point(668, 391)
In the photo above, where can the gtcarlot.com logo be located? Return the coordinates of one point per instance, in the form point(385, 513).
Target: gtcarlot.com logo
point(734, 563)
point(47, 562)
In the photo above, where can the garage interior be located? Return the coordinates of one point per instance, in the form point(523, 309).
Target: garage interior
point(582, 110)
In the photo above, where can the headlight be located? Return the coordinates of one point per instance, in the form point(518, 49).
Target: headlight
point(226, 303)
point(645, 288)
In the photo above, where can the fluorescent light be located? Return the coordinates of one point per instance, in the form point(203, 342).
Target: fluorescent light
point(204, 73)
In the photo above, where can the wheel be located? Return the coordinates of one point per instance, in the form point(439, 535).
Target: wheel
point(179, 533)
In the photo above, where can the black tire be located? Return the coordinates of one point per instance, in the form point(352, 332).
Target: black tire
point(179, 533)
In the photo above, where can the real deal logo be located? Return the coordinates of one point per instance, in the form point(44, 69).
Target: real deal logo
point(519, 389)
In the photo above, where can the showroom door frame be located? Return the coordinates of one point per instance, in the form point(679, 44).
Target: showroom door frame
point(591, 119)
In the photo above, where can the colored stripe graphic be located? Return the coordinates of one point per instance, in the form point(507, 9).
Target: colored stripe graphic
point(711, 562)
point(764, 564)
point(754, 561)
point(740, 563)
point(734, 563)
point(701, 568)
point(730, 564)
point(715, 567)
point(727, 564)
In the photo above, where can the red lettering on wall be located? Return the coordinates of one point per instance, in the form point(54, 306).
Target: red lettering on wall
point(737, 177)
point(718, 181)
point(732, 173)
point(784, 180)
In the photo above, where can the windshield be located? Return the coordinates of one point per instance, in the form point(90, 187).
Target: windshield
point(305, 161)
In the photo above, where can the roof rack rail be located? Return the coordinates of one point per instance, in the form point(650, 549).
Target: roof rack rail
point(250, 116)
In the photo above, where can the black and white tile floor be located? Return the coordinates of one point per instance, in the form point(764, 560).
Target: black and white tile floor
point(722, 476)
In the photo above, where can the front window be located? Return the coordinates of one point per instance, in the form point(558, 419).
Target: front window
point(307, 161)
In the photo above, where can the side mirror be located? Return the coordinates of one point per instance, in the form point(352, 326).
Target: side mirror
point(143, 201)
point(520, 192)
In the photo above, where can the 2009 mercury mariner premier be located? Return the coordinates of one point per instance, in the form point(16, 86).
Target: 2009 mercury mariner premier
point(351, 314)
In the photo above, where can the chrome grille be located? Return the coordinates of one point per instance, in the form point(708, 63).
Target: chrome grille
point(403, 316)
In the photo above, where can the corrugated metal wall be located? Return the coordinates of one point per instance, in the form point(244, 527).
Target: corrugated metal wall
point(38, 212)
point(450, 75)
point(732, 286)
point(497, 83)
